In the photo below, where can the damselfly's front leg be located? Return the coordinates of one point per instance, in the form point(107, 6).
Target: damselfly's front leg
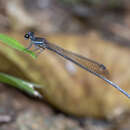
point(30, 45)
point(38, 48)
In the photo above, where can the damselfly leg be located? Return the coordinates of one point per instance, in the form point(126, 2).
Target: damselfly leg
point(30, 46)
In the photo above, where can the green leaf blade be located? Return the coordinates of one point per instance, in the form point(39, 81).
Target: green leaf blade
point(25, 86)
point(15, 44)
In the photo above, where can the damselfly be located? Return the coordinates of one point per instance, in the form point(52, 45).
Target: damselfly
point(89, 65)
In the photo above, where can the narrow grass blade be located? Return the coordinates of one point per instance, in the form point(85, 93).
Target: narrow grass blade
point(15, 44)
point(20, 84)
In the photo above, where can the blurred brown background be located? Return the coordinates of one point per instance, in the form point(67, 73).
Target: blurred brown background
point(97, 29)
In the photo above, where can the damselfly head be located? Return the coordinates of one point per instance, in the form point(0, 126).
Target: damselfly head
point(29, 35)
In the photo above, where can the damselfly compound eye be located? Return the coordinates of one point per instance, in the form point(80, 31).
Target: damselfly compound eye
point(26, 36)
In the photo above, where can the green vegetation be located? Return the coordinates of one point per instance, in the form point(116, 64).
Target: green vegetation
point(15, 44)
point(16, 82)
point(27, 87)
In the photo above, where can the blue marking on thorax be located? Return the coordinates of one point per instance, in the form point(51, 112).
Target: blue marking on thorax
point(37, 41)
